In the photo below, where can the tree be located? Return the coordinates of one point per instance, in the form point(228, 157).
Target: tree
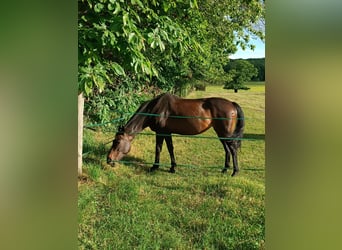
point(220, 27)
point(121, 42)
point(240, 72)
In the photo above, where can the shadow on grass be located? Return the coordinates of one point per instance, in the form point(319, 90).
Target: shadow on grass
point(137, 163)
point(254, 136)
point(141, 165)
point(95, 154)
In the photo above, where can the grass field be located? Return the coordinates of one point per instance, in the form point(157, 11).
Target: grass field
point(196, 208)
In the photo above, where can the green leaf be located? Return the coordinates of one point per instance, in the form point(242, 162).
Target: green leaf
point(155, 71)
point(145, 67)
point(88, 87)
point(166, 6)
point(125, 19)
point(98, 7)
point(130, 37)
point(117, 8)
point(193, 4)
point(118, 69)
point(110, 7)
point(140, 3)
point(136, 15)
point(100, 84)
point(161, 46)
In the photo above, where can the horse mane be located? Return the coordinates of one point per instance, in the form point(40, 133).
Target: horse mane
point(159, 108)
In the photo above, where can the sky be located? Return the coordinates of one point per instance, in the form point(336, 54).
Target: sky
point(259, 51)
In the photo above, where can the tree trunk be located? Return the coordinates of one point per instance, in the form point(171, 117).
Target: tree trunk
point(80, 132)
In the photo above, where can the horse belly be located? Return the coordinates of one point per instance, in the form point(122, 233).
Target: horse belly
point(185, 126)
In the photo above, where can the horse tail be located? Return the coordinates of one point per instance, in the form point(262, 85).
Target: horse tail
point(238, 132)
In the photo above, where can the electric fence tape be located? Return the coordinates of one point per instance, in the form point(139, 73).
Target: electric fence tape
point(113, 121)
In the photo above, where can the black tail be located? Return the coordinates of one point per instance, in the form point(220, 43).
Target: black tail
point(238, 133)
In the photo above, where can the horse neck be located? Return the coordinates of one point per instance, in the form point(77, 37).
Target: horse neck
point(139, 121)
point(136, 124)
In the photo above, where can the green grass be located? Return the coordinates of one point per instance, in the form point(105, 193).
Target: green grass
point(196, 208)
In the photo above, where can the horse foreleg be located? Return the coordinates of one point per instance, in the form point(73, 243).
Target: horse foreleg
point(233, 150)
point(169, 144)
point(227, 159)
point(159, 146)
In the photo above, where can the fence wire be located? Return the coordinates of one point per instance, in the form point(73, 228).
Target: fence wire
point(117, 120)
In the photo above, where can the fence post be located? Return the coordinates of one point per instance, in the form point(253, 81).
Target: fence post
point(80, 132)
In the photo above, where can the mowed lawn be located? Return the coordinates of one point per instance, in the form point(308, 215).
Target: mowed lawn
point(126, 207)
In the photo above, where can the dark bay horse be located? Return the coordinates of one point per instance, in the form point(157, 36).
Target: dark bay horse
point(167, 114)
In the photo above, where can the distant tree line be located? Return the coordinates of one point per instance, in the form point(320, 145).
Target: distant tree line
point(258, 63)
point(241, 71)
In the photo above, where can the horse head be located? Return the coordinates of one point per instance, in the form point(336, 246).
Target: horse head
point(120, 147)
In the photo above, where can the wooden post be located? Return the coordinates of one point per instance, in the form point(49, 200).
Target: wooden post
point(80, 132)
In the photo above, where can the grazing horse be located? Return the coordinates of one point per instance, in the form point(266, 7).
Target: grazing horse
point(167, 114)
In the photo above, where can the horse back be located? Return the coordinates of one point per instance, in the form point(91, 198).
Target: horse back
point(193, 116)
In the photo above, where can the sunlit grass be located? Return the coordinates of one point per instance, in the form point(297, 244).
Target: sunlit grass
point(196, 208)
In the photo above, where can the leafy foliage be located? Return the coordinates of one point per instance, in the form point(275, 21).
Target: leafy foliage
point(126, 46)
point(118, 102)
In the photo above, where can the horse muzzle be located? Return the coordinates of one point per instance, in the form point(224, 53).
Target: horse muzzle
point(110, 162)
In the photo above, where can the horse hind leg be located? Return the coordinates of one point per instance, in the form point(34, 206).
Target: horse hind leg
point(159, 146)
point(169, 144)
point(227, 157)
point(233, 149)
point(230, 146)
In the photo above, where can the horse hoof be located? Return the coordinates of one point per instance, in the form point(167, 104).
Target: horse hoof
point(235, 173)
point(152, 169)
point(224, 171)
point(172, 170)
